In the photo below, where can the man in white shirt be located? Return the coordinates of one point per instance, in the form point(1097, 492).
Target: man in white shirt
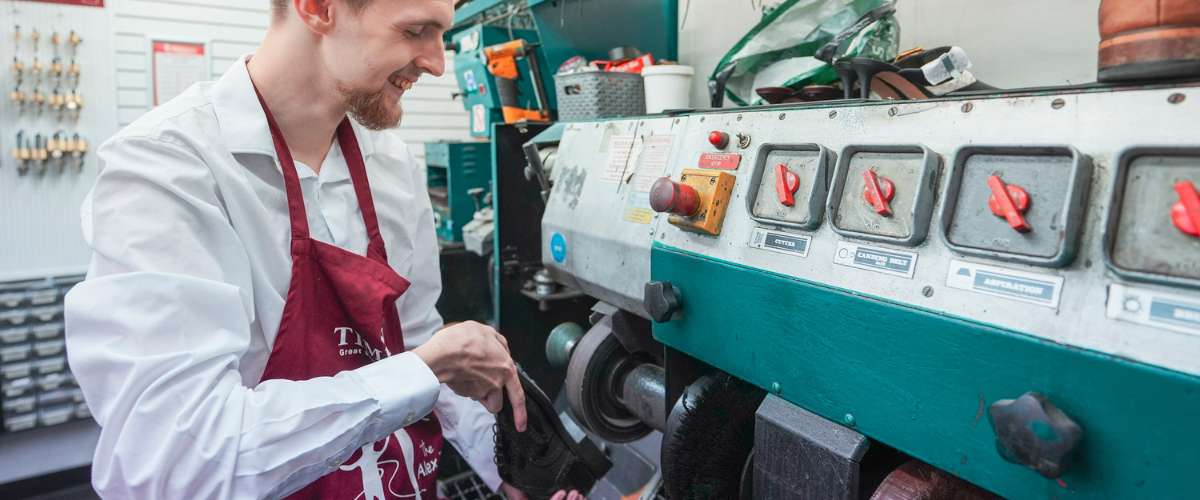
point(191, 335)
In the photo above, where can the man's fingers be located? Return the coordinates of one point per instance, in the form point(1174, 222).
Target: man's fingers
point(562, 494)
point(574, 495)
point(516, 396)
point(503, 341)
point(494, 402)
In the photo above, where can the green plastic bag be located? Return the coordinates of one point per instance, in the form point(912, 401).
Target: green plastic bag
point(779, 51)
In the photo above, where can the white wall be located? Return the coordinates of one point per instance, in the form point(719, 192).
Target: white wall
point(1012, 44)
point(236, 27)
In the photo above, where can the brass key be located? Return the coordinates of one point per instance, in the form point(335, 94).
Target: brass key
point(18, 70)
point(73, 74)
point(18, 99)
point(56, 71)
point(74, 105)
point(39, 101)
point(56, 146)
point(80, 148)
point(39, 154)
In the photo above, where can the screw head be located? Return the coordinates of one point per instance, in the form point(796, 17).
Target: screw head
point(782, 115)
point(1058, 103)
point(849, 420)
point(892, 111)
point(739, 118)
point(833, 114)
point(1176, 98)
point(775, 387)
point(967, 107)
point(927, 291)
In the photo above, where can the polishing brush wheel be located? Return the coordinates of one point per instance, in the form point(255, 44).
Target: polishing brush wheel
point(709, 442)
point(917, 480)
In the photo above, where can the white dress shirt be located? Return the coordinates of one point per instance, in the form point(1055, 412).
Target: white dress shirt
point(170, 334)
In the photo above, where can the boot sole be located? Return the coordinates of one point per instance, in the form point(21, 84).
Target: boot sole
point(1167, 52)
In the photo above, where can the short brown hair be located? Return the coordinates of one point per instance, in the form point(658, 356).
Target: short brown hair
point(279, 8)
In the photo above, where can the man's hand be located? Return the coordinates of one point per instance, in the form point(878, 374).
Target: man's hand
point(514, 494)
point(473, 360)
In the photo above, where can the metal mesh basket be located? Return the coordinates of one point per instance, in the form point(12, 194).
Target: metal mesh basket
point(599, 94)
point(466, 486)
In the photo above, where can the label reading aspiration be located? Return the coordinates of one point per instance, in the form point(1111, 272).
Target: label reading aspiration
point(1034, 288)
point(880, 260)
point(776, 241)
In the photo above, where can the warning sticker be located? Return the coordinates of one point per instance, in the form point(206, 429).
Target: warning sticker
point(622, 155)
point(650, 167)
point(653, 163)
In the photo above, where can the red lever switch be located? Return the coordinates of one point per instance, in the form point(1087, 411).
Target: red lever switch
point(1010, 202)
point(879, 192)
point(786, 183)
point(673, 197)
point(719, 140)
point(1186, 212)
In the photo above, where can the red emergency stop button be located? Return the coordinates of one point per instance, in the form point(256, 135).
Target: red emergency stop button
point(718, 139)
point(879, 192)
point(786, 184)
point(673, 197)
point(1186, 212)
point(1009, 201)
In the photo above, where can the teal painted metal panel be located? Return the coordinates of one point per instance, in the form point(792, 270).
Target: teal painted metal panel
point(458, 167)
point(921, 381)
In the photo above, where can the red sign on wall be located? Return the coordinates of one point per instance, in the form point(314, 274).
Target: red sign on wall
point(85, 3)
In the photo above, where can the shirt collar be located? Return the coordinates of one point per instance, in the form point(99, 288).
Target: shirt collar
point(243, 122)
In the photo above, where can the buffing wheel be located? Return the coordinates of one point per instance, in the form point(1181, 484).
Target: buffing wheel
point(709, 441)
point(594, 378)
point(917, 480)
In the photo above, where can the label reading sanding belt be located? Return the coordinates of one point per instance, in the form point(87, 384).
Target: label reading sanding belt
point(881, 260)
point(1163, 310)
point(1033, 288)
point(776, 241)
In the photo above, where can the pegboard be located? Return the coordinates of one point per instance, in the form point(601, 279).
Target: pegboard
point(40, 231)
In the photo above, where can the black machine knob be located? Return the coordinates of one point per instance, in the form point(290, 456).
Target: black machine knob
point(661, 300)
point(1031, 431)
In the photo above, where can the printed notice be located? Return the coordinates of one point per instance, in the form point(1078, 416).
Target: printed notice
point(1164, 310)
point(881, 260)
point(777, 241)
point(177, 66)
point(623, 152)
point(651, 165)
point(1034, 288)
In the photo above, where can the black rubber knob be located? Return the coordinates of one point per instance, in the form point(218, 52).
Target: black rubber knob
point(1031, 431)
point(661, 300)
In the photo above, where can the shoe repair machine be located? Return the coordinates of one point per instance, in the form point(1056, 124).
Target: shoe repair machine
point(855, 299)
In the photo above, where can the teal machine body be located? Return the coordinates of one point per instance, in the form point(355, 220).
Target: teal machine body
point(453, 170)
point(587, 28)
point(1057, 362)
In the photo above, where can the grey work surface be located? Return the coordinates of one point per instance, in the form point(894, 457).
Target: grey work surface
point(1046, 179)
point(855, 213)
point(1146, 240)
point(808, 169)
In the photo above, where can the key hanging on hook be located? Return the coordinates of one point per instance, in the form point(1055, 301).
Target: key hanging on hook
point(38, 100)
point(56, 146)
point(18, 99)
point(79, 148)
point(74, 104)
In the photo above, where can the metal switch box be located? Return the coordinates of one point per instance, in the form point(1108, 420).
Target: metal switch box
point(808, 163)
point(884, 193)
point(1142, 239)
point(1021, 204)
point(714, 189)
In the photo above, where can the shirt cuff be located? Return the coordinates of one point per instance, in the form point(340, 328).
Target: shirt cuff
point(404, 386)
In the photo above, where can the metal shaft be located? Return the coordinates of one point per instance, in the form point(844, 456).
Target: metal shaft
point(644, 394)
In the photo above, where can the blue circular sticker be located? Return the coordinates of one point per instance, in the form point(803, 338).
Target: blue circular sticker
point(558, 248)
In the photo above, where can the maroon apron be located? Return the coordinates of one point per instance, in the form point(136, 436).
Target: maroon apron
point(340, 315)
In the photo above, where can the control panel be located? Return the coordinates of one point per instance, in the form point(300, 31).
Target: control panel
point(1028, 213)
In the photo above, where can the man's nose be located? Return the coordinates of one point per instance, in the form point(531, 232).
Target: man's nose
point(432, 59)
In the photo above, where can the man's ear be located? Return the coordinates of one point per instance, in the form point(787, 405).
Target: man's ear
point(316, 14)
